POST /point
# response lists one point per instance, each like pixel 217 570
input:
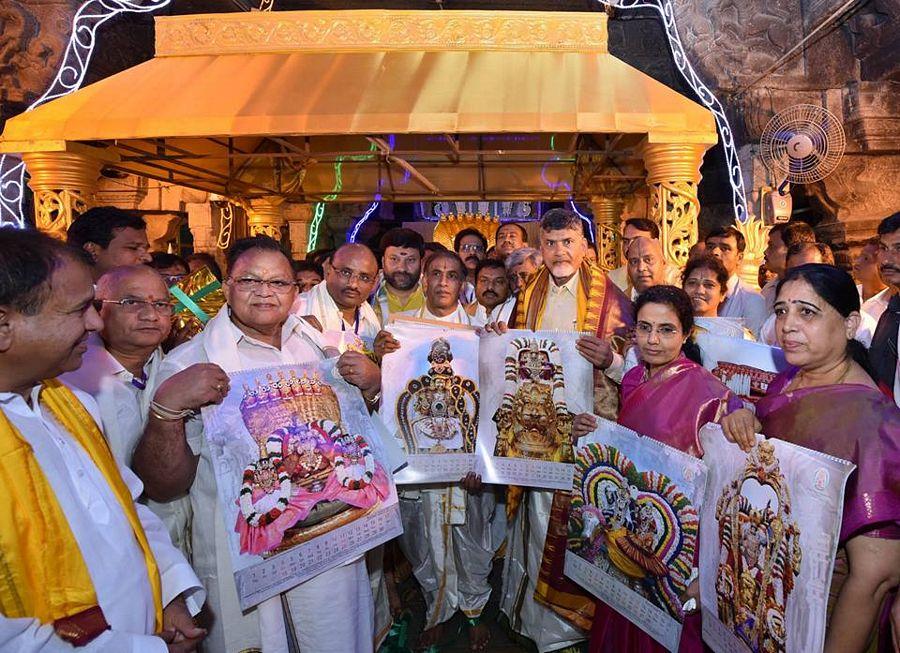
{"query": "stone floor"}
pixel 456 639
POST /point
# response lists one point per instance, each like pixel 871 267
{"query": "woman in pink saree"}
pixel 828 402
pixel 668 397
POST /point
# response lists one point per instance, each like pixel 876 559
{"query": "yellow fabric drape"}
pixel 42 572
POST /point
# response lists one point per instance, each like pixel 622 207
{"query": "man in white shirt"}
pixel 781 237
pixel 509 237
pixel 331 612
pixel 452 571
pixel 873 292
pixel 493 301
pixel 521 266
pixel 120 366
pixel 340 303
pixel 471 246
pixel 97 569
pixel 728 244
pixel 646 265
pixel 111 237
pixel 883 352
pixel 631 229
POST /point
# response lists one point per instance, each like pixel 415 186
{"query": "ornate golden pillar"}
pixel 64 185
pixel 607 210
pixel 673 174
pixel 265 216
pixel 299 218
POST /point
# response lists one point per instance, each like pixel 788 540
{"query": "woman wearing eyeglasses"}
pixel 669 396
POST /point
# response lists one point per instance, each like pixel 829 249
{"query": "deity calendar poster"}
pixel 430 399
pixel 634 526
pixel 746 367
pixel 532 384
pixel 768 535
pixel 303 482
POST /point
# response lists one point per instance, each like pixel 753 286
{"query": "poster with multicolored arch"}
pixel 634 526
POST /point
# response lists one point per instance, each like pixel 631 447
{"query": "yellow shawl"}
pixel 42 572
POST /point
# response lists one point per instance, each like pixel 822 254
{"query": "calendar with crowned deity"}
pixel 302 476
pixel 533 383
pixel 769 531
pixel 430 398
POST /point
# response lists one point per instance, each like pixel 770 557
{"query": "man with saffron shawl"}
pixel 566 294
pixel 83 563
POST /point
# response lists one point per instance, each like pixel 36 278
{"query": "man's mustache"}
pixel 490 293
pixel 886 267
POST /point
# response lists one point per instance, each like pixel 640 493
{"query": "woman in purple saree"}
pixel 668 397
pixel 829 403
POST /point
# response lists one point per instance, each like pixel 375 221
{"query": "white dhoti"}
pixel 447 540
pixel 525 548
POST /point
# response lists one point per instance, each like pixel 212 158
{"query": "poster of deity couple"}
pixel 303 474
pixel 761 526
pixel 499 405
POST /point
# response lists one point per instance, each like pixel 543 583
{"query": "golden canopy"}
pixel 346 104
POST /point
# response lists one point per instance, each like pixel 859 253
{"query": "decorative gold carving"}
pixel 607 204
pixel 264 217
pixel 450 225
pixel 673 173
pixel 376 30
pixel 64 185
pixel 756 233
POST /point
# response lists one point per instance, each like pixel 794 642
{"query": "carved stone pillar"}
pixel 673 173
pixel 299 218
pixel 201 224
pixel 64 185
pixel 607 210
pixel 265 217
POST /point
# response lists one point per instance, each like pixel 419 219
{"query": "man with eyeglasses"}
pixel 84 564
pixel 340 303
pixel 122 361
pixel 111 237
pixel 331 612
pixel 471 246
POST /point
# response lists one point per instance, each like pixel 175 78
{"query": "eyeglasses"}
pixel 130 305
pixel 665 331
pixel 471 248
pixel 249 284
pixel 349 275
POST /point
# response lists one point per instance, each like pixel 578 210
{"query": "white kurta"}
pixel 331 612
pixel 528 530
pixel 113 557
pixel 500 312
pixel 316 301
pixel 449 535
pixel 742 301
pixel 124 410
pixel 319 303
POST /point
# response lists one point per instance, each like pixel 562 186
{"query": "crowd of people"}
pixel 112 538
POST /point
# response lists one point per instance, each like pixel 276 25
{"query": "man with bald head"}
pixel 646 265
pixel 121 363
pixel 340 303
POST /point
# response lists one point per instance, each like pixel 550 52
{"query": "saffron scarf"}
pixel 604 311
pixel 42 572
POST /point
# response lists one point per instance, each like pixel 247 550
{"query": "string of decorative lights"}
pixel 666 12
pixel 362 221
pixel 75 60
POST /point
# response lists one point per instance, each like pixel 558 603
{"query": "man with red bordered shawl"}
pixel 567 293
